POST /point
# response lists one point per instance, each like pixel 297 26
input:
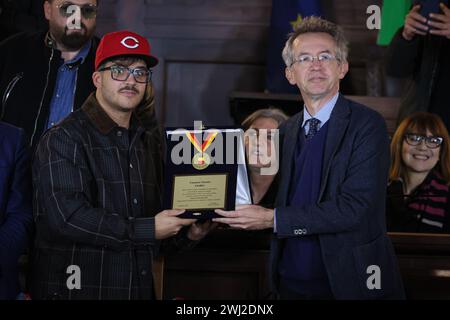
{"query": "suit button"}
pixel 119 133
pixel 143 272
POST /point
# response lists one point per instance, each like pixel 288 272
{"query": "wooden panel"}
pixel 231 264
pixel 424 261
pixel 158 276
pixel 206 48
pixel 352 16
pixel 191 36
pixel 217 274
pixel 228 264
pixel 199 91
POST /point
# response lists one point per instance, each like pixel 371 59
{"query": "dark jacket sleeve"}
pixel 64 182
pixel 3 56
pixel 363 186
pixel 403 56
pixel 16 228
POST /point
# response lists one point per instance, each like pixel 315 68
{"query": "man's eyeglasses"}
pixel 431 142
pixel 121 73
pixel 67 9
pixel 306 60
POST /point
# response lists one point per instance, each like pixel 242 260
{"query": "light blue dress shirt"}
pixel 64 93
pixel 323 115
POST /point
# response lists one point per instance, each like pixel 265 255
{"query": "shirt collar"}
pixel 100 118
pixel 81 56
pixel 324 114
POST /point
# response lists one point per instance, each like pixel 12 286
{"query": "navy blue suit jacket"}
pixel 349 217
pixel 15 206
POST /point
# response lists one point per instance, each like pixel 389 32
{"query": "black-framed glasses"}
pixel 306 60
pixel 121 73
pixel 432 142
pixel 67 9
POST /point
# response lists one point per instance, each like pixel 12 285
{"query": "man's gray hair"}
pixel 316 24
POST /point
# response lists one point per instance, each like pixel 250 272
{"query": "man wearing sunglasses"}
pixel 46 75
pixel 97 177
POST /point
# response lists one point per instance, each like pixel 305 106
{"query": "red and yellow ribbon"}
pixel 201 148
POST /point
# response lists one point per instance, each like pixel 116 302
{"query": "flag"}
pixel 393 13
pixel 285 15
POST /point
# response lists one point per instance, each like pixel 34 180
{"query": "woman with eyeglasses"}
pixel 418 191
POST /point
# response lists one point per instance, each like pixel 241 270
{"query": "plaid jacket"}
pixel 97 189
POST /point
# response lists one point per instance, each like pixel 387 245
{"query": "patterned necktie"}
pixel 313 127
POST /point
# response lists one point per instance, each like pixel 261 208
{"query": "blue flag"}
pixel 285 15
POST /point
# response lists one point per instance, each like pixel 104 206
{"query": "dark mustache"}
pixel 130 88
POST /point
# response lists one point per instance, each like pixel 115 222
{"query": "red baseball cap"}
pixel 124 43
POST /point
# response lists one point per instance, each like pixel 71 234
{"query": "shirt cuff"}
pixel 143 230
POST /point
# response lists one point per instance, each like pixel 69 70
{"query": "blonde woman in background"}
pixel 262 186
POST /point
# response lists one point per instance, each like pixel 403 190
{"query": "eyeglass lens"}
pixel 67 9
pixel 122 73
pixel 416 139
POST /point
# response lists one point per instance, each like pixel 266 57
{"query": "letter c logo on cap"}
pixel 130 39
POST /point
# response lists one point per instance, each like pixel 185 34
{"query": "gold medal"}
pixel 201 161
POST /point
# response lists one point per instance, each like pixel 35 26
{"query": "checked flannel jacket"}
pixel 97 190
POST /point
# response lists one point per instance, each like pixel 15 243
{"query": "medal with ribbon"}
pixel 201 160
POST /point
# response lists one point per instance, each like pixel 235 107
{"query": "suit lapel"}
pixel 289 147
pixel 337 127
